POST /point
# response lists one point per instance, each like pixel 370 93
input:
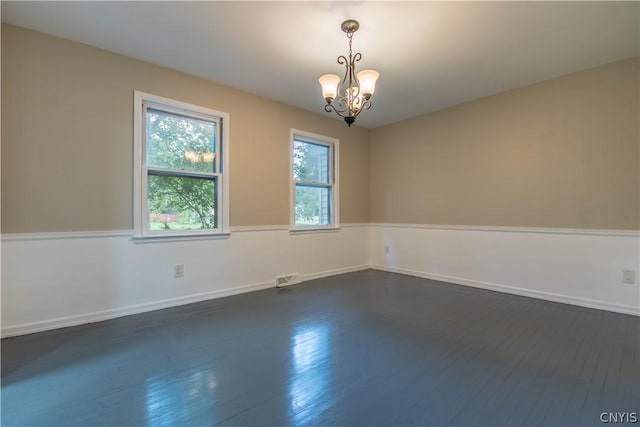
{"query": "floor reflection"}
pixel 174 402
pixel 309 388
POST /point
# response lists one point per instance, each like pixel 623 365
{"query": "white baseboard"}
pixel 63 322
pixel 97 316
pixel 565 299
pixel 321 274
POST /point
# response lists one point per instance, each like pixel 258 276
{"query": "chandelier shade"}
pixel 367 79
pixel 329 83
pixel 351 95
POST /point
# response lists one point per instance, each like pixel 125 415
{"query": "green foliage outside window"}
pixel 311 164
pixel 180 144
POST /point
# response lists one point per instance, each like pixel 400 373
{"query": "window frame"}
pixel 334 184
pixel 142 101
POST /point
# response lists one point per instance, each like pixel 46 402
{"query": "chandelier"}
pixel 352 95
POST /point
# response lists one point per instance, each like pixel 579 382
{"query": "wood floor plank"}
pixel 560 387
pixel 481 409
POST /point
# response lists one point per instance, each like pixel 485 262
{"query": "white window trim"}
pixel 335 171
pixel 140 174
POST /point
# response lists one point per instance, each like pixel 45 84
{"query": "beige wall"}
pixel 561 153
pixel 67 139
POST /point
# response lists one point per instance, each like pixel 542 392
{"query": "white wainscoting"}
pixel 54 280
pixel 581 267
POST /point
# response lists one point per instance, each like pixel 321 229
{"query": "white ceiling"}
pixel 430 55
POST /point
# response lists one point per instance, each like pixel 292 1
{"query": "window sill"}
pixel 180 237
pixel 311 230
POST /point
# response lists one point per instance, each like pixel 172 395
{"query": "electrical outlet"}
pixel 178 270
pixel 629 276
pixel 386 249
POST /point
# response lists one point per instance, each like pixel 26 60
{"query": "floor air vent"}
pixel 288 279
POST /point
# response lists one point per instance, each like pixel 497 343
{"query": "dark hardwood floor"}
pixel 359 349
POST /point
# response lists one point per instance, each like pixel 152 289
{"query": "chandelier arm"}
pixel 342 60
pixel 350 92
pixel 330 107
pixel 345 112
pixel 365 105
pixel 341 111
pixel 342 105
pixel 356 58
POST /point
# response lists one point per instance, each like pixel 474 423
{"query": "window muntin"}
pixel 314 181
pixel 180 155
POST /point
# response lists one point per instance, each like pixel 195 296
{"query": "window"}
pixel 314 186
pixel 181 185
